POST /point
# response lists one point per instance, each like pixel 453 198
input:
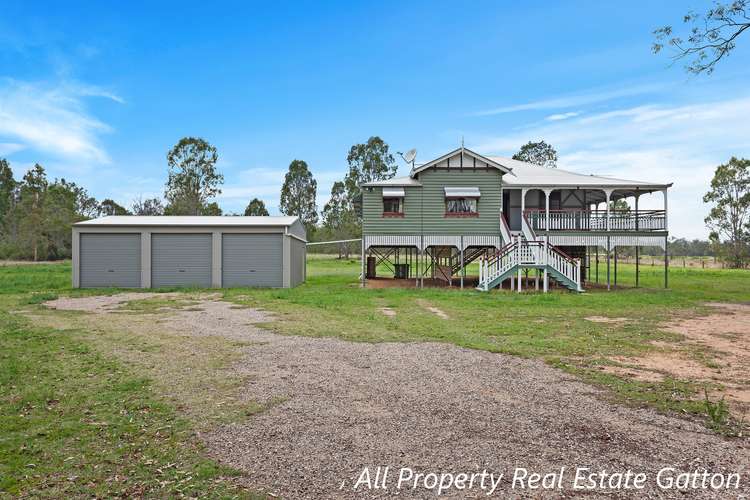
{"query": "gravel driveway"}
pixel 439 408
pixel 336 407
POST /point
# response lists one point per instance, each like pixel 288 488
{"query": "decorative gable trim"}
pixel 468 159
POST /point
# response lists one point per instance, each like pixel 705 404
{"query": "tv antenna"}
pixel 409 156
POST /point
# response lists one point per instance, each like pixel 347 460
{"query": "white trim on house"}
pixel 393 192
pixel 422 242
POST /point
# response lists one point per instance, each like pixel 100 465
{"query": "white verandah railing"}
pixel 596 220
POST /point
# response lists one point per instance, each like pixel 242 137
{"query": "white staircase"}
pixel 525 254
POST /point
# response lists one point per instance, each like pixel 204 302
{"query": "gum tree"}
pixel 729 218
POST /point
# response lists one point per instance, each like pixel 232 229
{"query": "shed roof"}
pixel 180 220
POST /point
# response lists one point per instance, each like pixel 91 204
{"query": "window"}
pixel 392 207
pixel 461 207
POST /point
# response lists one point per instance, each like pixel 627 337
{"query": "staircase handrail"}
pixel 528 231
pixel 505 230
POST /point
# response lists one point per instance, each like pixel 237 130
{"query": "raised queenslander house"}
pixel 517 220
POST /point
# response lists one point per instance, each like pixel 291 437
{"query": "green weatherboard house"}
pixel 515 219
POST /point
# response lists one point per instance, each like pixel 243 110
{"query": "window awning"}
pixel 462 192
pixel 393 192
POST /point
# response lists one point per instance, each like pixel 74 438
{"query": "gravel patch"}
pixel 435 408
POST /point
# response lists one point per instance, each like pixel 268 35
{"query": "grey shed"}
pixel 167 251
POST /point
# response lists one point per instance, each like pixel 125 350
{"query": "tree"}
pixel 256 207
pixel 8 198
pixel 7 189
pixel 211 209
pixel 729 217
pixel 193 178
pixel 298 194
pixel 149 206
pixel 620 205
pixel 712 36
pixel 539 153
pixel 368 162
pixel 339 219
pixel 31 210
pixel 110 207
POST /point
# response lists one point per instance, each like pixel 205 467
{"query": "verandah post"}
pixel 463 270
pixel 597 262
pixel 609 250
pixel 518 253
pixel 615 252
pixel 546 261
pixel 363 261
pixel 637 264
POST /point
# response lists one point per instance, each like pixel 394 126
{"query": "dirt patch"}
pixel 434 310
pixel 387 311
pixel 715 351
pixel 102 303
pixel 604 319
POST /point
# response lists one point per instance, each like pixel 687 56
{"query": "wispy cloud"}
pixel 53 119
pixel 680 144
pixel 575 100
pixel 8 148
pixel 562 116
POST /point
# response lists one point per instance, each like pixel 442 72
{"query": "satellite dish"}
pixel 410 156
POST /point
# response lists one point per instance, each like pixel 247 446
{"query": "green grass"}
pixel 76 423
pixel 529 324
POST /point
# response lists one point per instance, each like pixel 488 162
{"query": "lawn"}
pixel 77 420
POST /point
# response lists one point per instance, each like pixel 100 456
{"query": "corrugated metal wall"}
pixel 110 260
pixel 252 260
pixel 181 260
pixel 298 263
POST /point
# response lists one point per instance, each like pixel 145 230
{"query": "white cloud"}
pixel 575 100
pixel 8 148
pixel 52 119
pixel 680 144
pixel 562 116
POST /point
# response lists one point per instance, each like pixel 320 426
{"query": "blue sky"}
pixel 99 92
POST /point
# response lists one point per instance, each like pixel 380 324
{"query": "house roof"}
pixel 529 175
pixel 179 220
pixel 523 174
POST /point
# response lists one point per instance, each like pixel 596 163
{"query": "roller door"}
pixel 253 260
pixel 110 260
pixel 181 260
